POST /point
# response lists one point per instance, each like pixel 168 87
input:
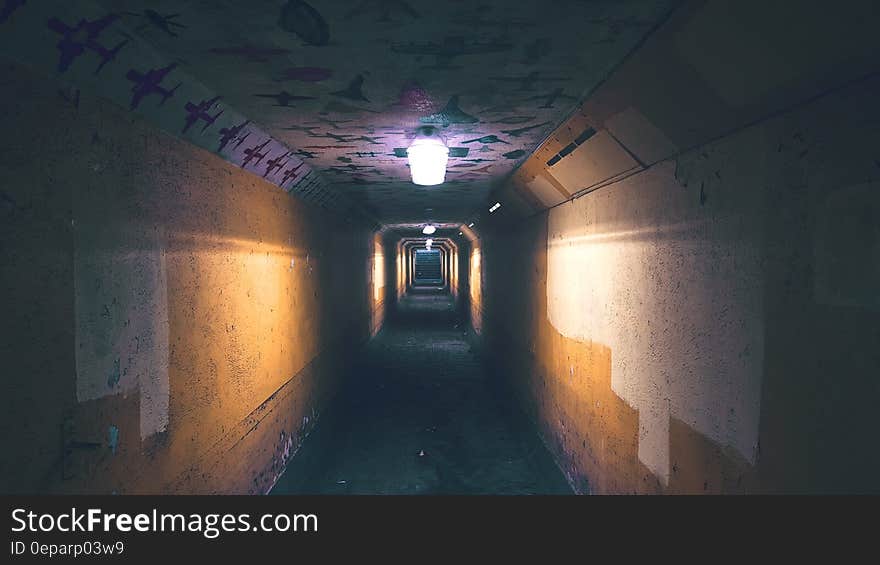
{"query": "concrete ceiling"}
pixel 346 82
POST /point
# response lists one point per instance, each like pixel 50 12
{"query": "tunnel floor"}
pixel 419 415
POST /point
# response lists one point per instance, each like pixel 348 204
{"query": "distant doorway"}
pixel 429 270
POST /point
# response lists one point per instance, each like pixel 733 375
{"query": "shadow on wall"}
pixel 184 317
pixel 706 325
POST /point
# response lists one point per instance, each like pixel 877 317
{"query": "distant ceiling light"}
pixel 470 225
pixel 495 207
pixel 429 229
pixel 429 243
pixel 428 156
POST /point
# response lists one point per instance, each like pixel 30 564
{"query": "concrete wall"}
pixel 452 259
pixel 377 276
pixel 712 323
pixel 472 260
pixel 173 323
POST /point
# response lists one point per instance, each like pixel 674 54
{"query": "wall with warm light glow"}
pixel 708 324
pixel 453 270
pixel 377 281
pixel 401 265
pixel 189 319
pixel 474 273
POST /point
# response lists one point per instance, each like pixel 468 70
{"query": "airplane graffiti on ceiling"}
pixel 164 22
pixel 83 37
pixel 150 83
pixel 196 112
pixel 10 6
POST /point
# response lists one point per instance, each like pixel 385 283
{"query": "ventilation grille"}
pixel 584 136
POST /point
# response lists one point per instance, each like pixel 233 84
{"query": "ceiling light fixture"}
pixel 429 243
pixel 428 156
pixel 495 207
pixel 429 229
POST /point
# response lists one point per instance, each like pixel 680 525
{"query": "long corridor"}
pixel 291 246
pixel 421 416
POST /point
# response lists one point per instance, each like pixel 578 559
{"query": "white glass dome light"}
pixel 429 229
pixel 428 156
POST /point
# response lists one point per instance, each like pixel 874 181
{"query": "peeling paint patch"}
pixel 121 323
pixel 113 438
pixel 113 378
pixel 693 287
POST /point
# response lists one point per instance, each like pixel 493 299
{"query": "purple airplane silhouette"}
pixel 150 83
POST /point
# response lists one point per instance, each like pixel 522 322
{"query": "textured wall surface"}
pixel 458 281
pixel 707 325
pixel 378 275
pixel 475 282
pixel 175 323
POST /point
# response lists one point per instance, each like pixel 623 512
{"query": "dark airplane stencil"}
pixel 162 22
pixel 451 114
pixel 367 139
pixel 252 153
pixel 332 123
pixel 196 112
pixel 354 90
pixel 284 98
pixel 8 7
pixel 514 120
pixel 150 83
pixel 84 36
pixel 518 132
pixel 333 136
pixel 276 163
pixel 307 23
pixel 331 147
pixel 241 139
pixel 487 139
pixel 228 134
pixel 551 98
pixel 291 173
pixel 309 130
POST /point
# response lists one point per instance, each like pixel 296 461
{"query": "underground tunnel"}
pixel 412 247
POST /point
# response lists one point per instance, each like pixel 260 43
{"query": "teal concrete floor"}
pixel 419 415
